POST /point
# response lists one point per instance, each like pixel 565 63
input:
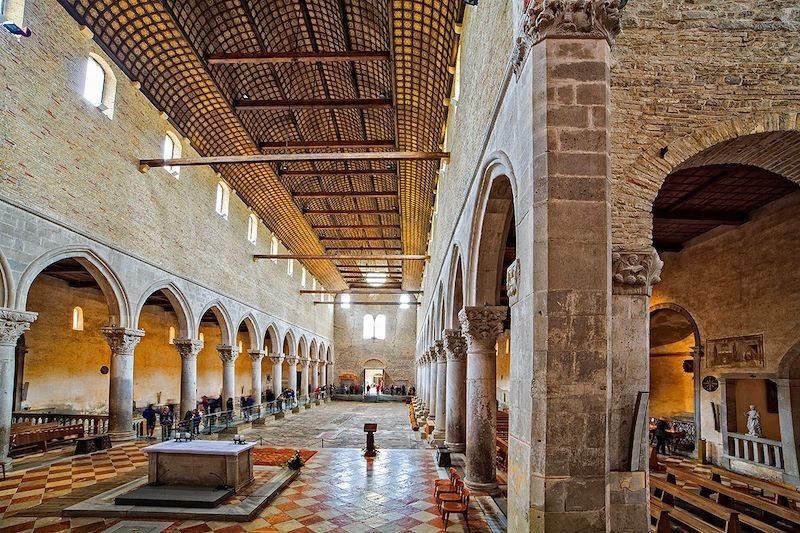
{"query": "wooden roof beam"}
pixel 328 145
pixel 362 249
pixel 323 194
pixel 717 217
pixel 343 173
pixel 351 212
pixel 146 164
pixel 319 103
pixel 356 226
pixel 347 257
pixel 297 57
pixel 334 238
pixel 360 291
pixel 367 303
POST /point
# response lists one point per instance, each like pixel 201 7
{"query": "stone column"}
pixel 12 325
pixel 633 273
pixel 228 355
pixel 788 407
pixel 314 374
pixel 305 362
pixel 188 350
pixel 432 375
pixel 441 394
pixel 292 361
pixel 567 258
pixel 277 372
pixel 122 341
pixel 256 357
pixel 456 402
pixel 480 327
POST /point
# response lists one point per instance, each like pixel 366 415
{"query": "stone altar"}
pixel 201 463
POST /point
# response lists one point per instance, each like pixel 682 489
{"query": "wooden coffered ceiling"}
pixel 250 77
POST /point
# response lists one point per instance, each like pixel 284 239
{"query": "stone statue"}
pixel 753 422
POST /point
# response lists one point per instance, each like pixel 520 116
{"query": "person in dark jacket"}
pixel 166 419
pixel 149 415
pixel 661 436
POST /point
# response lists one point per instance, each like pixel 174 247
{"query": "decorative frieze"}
pixel 581 19
pixel 455 345
pixel 481 325
pixel 188 348
pixel 13 324
pixel 122 341
pixel 635 272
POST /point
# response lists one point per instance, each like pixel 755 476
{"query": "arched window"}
pixel 345 301
pixel 303 277
pixel 273 247
pixel 241 346
pixel 404 301
pixel 77 319
pixel 172 150
pixel 380 327
pixel 368 331
pixel 202 338
pixel 100 85
pixel 252 228
pixel 313 284
pixel 223 198
pixel 171 335
pixel 290 267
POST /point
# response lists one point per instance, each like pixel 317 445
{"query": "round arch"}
pixel 271 338
pixel 789 367
pixel 455 289
pixel 320 354
pixel 312 348
pixel 302 346
pixel 684 313
pixel 252 331
pixel 329 354
pixel 223 318
pixel 178 301
pixel 110 284
pixel 289 341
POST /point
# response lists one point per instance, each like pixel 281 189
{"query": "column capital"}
pixel 455 345
pixel 305 360
pixel 441 353
pixel 482 325
pixel 635 271
pixel 276 358
pixel 256 355
pixel 122 340
pixel 13 324
pixel 292 360
pixel 576 19
pixel 228 354
pixel 188 348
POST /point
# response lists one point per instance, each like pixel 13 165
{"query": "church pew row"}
pixel 662 507
pixel 781 494
pixel 726 495
pixel 38 435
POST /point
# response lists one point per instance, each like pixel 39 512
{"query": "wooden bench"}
pixel 781 494
pixel 501 451
pixel 726 495
pixel 43 433
pixel 664 501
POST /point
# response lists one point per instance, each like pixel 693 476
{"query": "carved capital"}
pixel 441 353
pixel 228 354
pixel 276 358
pixel 122 340
pixel 256 355
pixel 635 272
pixel 432 354
pixel 13 324
pixel 292 360
pixel 305 361
pixel 580 19
pixel 482 325
pixel 455 345
pixel 188 348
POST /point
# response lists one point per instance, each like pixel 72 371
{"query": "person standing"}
pixel 166 419
pixel 149 415
pixel 661 436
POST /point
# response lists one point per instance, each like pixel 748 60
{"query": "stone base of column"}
pixel 7 462
pixel 122 436
pixel 280 416
pixel 628 498
pixel 437 439
pixel 316 402
pixel 296 410
pixel 260 421
pixel 307 405
pixel 456 447
pixel 491 489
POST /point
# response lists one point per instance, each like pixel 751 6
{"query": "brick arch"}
pixel 732 141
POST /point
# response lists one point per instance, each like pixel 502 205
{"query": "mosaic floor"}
pixel 338 490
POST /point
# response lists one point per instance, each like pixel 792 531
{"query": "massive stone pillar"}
pixel 565 256
pixel 188 350
pixel 277 372
pixel 256 357
pixel 441 394
pixel 305 363
pixel 432 384
pixel 12 325
pixel 228 355
pixel 120 391
pixel 456 403
pixel 292 361
pixel 480 327
pixel 633 274
pixel 423 387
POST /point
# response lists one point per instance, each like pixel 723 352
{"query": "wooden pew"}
pixel 781 494
pixel 664 501
pixel 502 425
pixel 726 495
pixel 42 433
pixel 501 451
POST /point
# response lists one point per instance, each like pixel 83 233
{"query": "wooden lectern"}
pixel 370 430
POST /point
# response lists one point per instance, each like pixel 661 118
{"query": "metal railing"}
pixel 756 450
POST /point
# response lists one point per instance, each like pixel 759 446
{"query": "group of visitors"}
pixel 394 390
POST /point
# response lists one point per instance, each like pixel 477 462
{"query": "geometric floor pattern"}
pixel 338 490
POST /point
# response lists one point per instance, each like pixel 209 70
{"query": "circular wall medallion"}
pixel 710 383
pixel 104 370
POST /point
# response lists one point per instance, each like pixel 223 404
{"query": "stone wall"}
pixel 395 353
pixel 63 159
pixel 739 281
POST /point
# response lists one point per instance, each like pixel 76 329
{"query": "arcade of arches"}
pixel 556 238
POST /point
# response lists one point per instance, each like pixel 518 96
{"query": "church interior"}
pixel 400 265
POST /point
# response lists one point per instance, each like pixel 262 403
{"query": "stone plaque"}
pixel 746 351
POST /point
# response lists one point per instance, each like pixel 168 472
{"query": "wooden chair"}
pixel 460 507
pixel 449 480
pixel 445 489
pixel 450 497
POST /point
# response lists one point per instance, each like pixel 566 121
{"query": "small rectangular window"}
pixel 290 268
pixel 94 85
